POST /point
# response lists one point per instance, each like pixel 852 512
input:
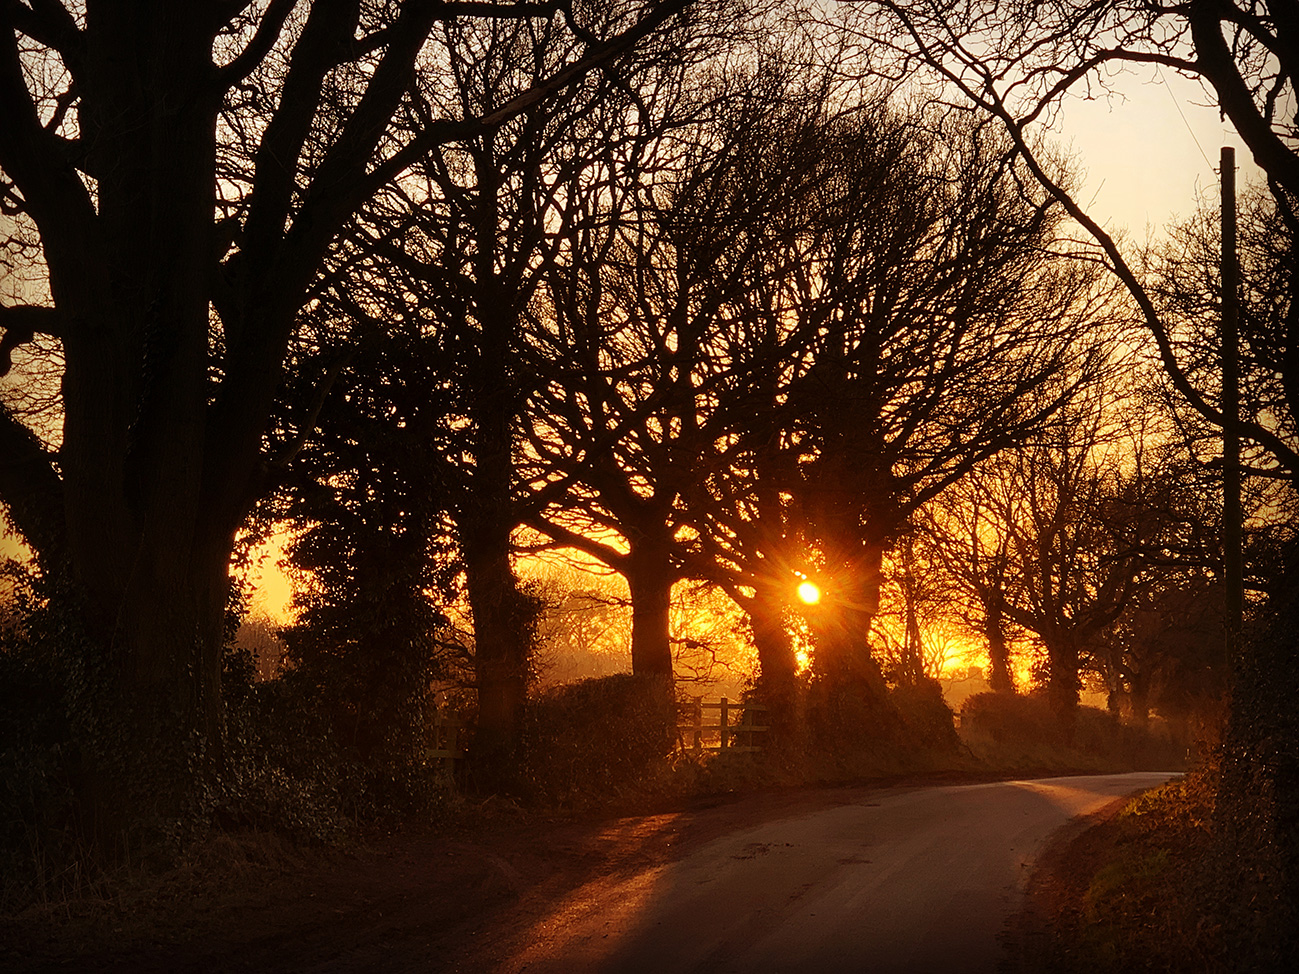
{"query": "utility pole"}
pixel 1233 570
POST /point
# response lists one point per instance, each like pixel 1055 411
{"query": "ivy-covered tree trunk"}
pixel 844 618
pixel 1062 681
pixel 503 622
pixel 149 530
pixel 850 706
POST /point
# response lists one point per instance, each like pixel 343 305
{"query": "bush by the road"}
pixel 589 741
pixel 1020 732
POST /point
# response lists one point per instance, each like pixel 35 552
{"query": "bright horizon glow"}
pixel 809 593
pixel 272 587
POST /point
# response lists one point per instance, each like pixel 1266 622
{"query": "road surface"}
pixel 904 880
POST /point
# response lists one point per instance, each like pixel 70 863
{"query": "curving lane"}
pixel 903 880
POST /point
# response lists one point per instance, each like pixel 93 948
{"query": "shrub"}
pixel 846 715
pixel 929 722
pixel 1009 718
pixel 1023 733
pixel 593 739
pixel 1258 804
pixel 283 771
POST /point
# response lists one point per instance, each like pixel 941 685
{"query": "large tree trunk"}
pixel 650 577
pixel 503 619
pixel 851 708
pixel 156 743
pixel 1062 683
pixel 844 618
pixel 503 616
pixel 148 542
pixel 999 677
pixel 777 665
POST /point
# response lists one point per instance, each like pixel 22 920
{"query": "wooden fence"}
pixel 734 730
pixel 732 726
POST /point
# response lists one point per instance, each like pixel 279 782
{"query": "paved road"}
pixel 905 880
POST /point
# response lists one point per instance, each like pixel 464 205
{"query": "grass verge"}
pixel 1152 885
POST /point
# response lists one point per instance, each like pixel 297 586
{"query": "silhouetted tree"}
pixel 1091 524
pixel 372 552
pixel 454 257
pixel 640 373
pixel 174 295
pixel 1163 652
pixel 1184 279
pixel 960 532
pixel 934 319
pixel 1016 63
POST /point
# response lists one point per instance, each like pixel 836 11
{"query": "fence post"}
pixel 698 715
pixel 723 728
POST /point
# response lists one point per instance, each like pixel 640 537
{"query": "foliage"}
pixel 1162 888
pixel 857 728
pixel 848 715
pixel 1258 805
pixel 365 646
pixel 929 722
pixel 1005 717
pixel 284 770
pixel 36 746
pixel 589 741
pixel 65 724
pixel 314 760
pixel 1021 732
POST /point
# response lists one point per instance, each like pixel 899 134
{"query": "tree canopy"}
pixel 186 171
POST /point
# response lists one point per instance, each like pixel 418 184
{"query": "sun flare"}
pixel 809 593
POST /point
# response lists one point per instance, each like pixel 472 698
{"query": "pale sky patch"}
pixel 1149 150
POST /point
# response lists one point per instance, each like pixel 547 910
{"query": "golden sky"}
pixel 1149 149
pixel 11 548
pixel 1147 152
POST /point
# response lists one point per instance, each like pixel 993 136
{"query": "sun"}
pixel 809 593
